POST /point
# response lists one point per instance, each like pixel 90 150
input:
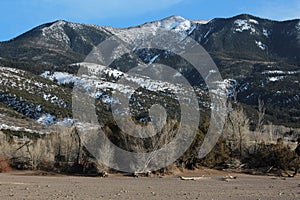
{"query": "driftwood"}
pixel 227 178
pixel 195 178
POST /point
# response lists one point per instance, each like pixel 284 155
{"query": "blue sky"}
pixel 18 16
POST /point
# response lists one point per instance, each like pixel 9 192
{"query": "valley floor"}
pixel 21 185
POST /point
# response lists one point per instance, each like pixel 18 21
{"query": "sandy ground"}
pixel 20 185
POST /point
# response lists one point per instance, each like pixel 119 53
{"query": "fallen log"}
pixel 195 178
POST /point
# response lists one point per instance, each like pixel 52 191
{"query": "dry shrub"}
pixel 219 155
pixel 215 158
pixel 278 156
pixel 5 150
pixel 145 145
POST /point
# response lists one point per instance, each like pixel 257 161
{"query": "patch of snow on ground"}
pixel 260 45
pixel 46 119
pixel 229 85
pixel 207 33
pixel 274 72
pixel 100 69
pixel 97 87
pixel 107 99
pixel 65 122
pixel 153 59
pixel 281 72
pixel 115 73
pixel 192 29
pixel 61 77
pixel 98 95
pixel 12 70
pixel 266 33
pixel 177 74
pixel 275 78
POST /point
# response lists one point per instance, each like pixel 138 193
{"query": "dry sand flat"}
pixel 213 186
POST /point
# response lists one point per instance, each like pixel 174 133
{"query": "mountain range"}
pixel 257 58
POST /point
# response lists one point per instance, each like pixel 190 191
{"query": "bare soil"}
pixel 213 185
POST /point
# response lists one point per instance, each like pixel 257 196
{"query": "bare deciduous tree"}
pixel 237 128
pixel 40 152
pixel 260 130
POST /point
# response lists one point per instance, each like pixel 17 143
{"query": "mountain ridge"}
pixel 171 16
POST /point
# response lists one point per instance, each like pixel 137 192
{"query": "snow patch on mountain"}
pixel 200 21
pixel 12 70
pixel 266 33
pixel 97 84
pixel 260 45
pixel 253 21
pixel 280 72
pixel 228 85
pixel 275 78
pixel 46 119
pixel 60 77
pixel 54 100
pixel 149 34
pixel 14 79
pixel 208 32
pixel 76 26
pixel 142 33
pixel 298 26
pixel 65 122
pixel 153 59
pixel 245 25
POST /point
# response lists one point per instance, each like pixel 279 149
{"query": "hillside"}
pixel 258 58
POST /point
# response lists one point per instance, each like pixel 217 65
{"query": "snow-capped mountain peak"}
pixel 55 31
pixel 176 23
pixel 172 23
